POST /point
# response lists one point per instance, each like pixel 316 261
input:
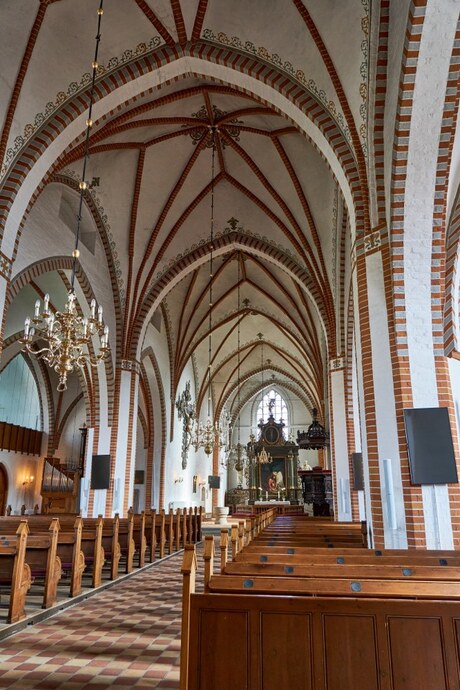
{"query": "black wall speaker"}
pixel 358 474
pixel 100 472
pixel 214 481
pixel 430 447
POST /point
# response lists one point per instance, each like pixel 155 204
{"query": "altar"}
pixel 273 471
pixel 271 503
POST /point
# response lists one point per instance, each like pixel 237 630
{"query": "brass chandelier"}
pixel 68 333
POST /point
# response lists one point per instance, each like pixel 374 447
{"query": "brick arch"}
pixel 150 422
pixel 58 264
pixel 150 355
pixel 223 243
pixel 451 293
pixel 225 62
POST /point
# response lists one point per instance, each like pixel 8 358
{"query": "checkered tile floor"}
pixel 124 637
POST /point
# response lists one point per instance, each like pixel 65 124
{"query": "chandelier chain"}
pixel 89 123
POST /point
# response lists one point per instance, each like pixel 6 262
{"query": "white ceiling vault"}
pixel 282 86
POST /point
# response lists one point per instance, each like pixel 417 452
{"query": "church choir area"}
pixel 229 344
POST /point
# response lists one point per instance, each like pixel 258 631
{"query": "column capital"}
pixel 130 365
pixel 337 364
pixel 6 266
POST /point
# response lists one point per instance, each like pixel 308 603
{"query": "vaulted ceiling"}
pixel 281 219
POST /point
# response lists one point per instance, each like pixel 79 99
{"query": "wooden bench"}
pixel 126 539
pixel 338 618
pixel 317 643
pixel 15 574
pixel 70 546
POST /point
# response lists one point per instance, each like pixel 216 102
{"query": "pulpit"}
pixel 317 490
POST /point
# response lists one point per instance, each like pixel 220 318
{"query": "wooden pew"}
pixel 41 555
pixel 317 643
pixel 327 609
pixel 15 574
pixel 140 541
pixel 150 535
pixel 126 539
pixel 90 544
pixel 111 550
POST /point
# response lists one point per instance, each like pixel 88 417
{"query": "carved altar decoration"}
pixel 317 490
pixel 272 471
pixel 187 413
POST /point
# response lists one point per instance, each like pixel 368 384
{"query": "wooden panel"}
pixel 286 651
pixel 38 442
pixel 26 439
pixel 6 436
pixel 224 636
pixel 2 432
pixel 20 440
pixel 350 652
pixel 12 445
pixel 416 653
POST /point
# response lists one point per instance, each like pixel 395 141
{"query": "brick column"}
pixel 384 496
pixel 123 439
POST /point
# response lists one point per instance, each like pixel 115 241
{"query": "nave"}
pixel 127 636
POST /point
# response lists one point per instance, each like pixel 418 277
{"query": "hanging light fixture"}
pixel 209 435
pixel 316 437
pixel 68 334
pixel 237 455
pixel 263 458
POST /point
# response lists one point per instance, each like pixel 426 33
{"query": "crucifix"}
pixel 186 412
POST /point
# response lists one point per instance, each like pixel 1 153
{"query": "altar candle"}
pixel 266 495
pixel 278 495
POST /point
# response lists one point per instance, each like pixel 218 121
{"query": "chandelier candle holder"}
pixel 68 334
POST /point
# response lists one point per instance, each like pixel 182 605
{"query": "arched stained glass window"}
pixel 19 397
pixel 273 403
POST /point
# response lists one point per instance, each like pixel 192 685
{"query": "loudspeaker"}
pixel 430 446
pixel 358 474
pixel 214 481
pixel 100 472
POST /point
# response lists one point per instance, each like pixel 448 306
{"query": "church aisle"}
pixel 127 636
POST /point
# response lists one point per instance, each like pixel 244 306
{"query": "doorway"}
pixel 3 489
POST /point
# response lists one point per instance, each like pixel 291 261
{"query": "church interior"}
pixel 230 300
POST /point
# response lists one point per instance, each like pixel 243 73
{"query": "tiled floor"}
pixel 124 637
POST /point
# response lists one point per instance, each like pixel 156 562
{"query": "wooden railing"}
pixel 20 439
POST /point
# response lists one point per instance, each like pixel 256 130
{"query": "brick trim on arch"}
pixel 223 240
pixel 148 353
pixel 229 57
pixel 442 267
pixel 149 461
pixel 451 295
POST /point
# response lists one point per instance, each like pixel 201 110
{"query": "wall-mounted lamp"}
pixel 28 480
pixel 179 480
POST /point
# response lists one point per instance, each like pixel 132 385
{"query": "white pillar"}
pixel 341 465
